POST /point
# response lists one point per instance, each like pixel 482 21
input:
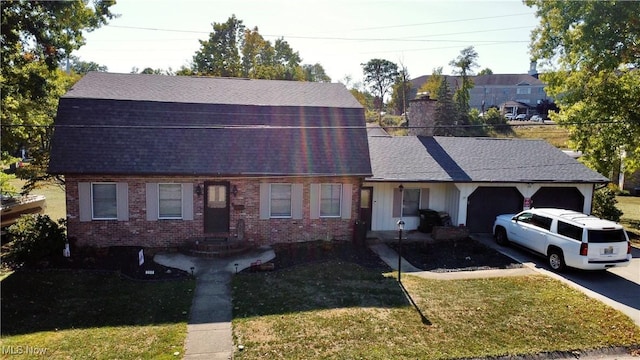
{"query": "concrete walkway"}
pixel 209 332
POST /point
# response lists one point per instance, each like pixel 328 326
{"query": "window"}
pixel 104 201
pixel 280 200
pixel 523 91
pixel 330 196
pixel 541 221
pixel 570 231
pixel 170 201
pixel 411 202
pixel 606 236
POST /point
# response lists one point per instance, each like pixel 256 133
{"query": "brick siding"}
pixel 139 231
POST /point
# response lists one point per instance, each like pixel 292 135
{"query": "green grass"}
pixel 342 311
pixel 80 315
pixel 555 135
pixel 630 206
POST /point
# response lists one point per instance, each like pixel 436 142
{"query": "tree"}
pixel 220 55
pixel 36 36
pixel 433 83
pixel 315 73
pixel 380 75
pixel 446 112
pixel 401 89
pixel 592 50
pixel 82 67
pixel 234 51
pixel 287 61
pixel 486 71
pixel 257 56
pixel 463 66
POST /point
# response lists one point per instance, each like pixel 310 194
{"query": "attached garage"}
pixel 558 197
pixel 485 203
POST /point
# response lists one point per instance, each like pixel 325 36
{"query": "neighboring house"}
pixel 501 91
pixel 472 179
pixel 158 161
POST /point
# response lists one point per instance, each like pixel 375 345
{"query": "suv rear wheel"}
pixel 556 260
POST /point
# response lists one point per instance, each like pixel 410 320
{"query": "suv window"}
pixel 541 221
pixel 570 231
pixel 524 217
pixel 606 236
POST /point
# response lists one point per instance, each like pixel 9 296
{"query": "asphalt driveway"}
pixel 618 287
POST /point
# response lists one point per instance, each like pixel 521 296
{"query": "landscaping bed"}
pixel 119 259
pixel 459 255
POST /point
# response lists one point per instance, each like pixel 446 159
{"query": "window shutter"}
pixel 296 201
pixel 346 200
pixel 397 203
pixel 122 201
pixel 265 202
pixel 85 213
pixel 314 201
pixel 152 201
pixel 424 198
pixel 187 201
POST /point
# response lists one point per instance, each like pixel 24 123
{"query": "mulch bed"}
pixel 459 255
pixel 292 254
pixel 121 259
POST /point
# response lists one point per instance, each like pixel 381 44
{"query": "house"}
pixel 159 161
pixel 502 91
pixel 472 179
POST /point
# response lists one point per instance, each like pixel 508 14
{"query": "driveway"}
pixel 618 287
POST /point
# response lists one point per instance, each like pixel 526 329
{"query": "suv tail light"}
pixel 628 247
pixel 584 249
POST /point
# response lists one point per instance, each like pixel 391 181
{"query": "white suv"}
pixel 566 238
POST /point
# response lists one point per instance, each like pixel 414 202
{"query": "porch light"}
pixel 198 190
pixel 234 190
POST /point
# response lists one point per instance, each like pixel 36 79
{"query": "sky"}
pixel 340 35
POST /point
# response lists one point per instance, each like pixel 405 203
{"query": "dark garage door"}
pixel 486 202
pixel 558 197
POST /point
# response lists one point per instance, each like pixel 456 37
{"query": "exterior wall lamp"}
pixel 234 190
pixel 199 190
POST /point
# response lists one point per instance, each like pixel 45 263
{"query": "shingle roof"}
pixel 462 159
pixel 211 90
pixel 484 80
pixel 152 137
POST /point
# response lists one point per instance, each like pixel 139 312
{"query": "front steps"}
pixel 215 247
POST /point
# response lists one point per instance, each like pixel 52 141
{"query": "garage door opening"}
pixel 485 203
pixel 568 198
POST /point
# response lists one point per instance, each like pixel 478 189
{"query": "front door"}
pixel 366 205
pixel 216 207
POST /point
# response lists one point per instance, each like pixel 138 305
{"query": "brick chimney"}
pixel 421 119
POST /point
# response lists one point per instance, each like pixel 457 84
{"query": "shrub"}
pixel 33 238
pixel 604 204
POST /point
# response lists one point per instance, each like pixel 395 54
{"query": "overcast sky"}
pixel 340 35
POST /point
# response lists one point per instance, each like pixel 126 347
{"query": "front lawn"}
pixel 91 315
pixel 630 206
pixel 340 310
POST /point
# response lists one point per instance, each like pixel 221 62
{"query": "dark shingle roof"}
pixel 100 135
pixel 211 90
pixel 461 159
